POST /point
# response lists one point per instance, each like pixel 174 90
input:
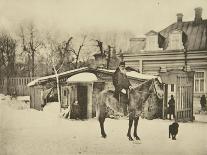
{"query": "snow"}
pixel 140 76
pixel 31 132
pixel 45 78
pixel 82 77
pixel 135 74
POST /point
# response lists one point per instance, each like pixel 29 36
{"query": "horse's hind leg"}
pixel 129 129
pixel 135 128
pixel 101 121
pixel 100 114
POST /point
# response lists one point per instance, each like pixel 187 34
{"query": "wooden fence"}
pixel 18 85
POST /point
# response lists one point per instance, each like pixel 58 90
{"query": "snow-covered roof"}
pixel 82 77
pixel 46 78
pixel 68 74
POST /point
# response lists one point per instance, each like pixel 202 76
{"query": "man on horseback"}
pixel 122 86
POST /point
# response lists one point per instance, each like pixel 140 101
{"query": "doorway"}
pixel 82 101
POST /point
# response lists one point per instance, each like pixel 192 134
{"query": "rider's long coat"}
pixel 120 81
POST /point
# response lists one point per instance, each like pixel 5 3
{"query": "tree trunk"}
pixel 33 64
pixel 58 86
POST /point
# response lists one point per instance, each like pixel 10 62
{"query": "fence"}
pixel 19 86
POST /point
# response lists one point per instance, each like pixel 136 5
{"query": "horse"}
pixel 137 97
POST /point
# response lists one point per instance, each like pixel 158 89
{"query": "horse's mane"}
pixel 143 85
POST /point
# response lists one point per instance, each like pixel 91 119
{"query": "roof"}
pixel 151 32
pixel 133 74
pixel 82 77
pixel 196 34
pixel 65 75
pixel 52 77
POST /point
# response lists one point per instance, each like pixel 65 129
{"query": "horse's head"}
pixel 146 87
pixel 140 93
pixel 158 88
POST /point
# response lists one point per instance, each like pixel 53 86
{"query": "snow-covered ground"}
pixel 31 132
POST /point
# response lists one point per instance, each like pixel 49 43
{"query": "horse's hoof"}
pixel 104 136
pixel 137 138
pixel 130 138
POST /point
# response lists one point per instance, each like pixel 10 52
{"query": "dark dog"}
pixel 173 130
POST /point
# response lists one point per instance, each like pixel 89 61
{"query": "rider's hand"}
pixel 130 87
pixel 123 91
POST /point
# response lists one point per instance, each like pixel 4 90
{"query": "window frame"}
pixel 199 82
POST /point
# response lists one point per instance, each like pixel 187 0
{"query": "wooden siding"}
pixel 152 61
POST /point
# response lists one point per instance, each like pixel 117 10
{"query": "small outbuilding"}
pixel 80 88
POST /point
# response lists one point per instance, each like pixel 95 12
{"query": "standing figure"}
pixel 122 86
pixel 75 114
pixel 171 104
pixel 203 103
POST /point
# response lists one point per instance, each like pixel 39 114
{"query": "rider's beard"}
pixel 123 71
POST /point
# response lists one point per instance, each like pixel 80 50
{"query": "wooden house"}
pixel 181 45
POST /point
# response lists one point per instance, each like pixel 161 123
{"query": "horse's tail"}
pixel 97 111
pixel 98 104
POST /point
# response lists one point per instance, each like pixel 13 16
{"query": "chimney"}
pixel 198 15
pixel 179 17
pixel 137 44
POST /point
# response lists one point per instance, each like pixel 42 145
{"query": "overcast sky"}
pixel 138 16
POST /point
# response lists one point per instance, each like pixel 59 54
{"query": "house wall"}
pixel 151 61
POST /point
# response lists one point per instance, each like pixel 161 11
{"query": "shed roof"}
pixel 65 75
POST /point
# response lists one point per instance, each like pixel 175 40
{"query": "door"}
pixel 82 101
pixel 184 98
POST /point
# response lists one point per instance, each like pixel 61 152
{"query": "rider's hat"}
pixel 122 63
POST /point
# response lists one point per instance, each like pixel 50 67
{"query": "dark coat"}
pixel 171 104
pixel 120 81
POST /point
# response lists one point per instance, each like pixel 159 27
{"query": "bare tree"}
pixel 57 53
pixel 78 51
pixel 7 56
pixel 30 43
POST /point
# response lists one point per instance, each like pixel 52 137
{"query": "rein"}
pixel 145 91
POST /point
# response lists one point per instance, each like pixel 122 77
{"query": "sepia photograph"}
pixel 103 77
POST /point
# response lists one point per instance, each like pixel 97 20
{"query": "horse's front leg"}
pixel 101 121
pixel 129 129
pixel 135 128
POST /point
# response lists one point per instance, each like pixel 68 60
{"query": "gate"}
pixel 184 98
pixel 184 82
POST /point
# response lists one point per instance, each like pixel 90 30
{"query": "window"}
pixel 172 88
pixel 199 82
pixel 65 92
